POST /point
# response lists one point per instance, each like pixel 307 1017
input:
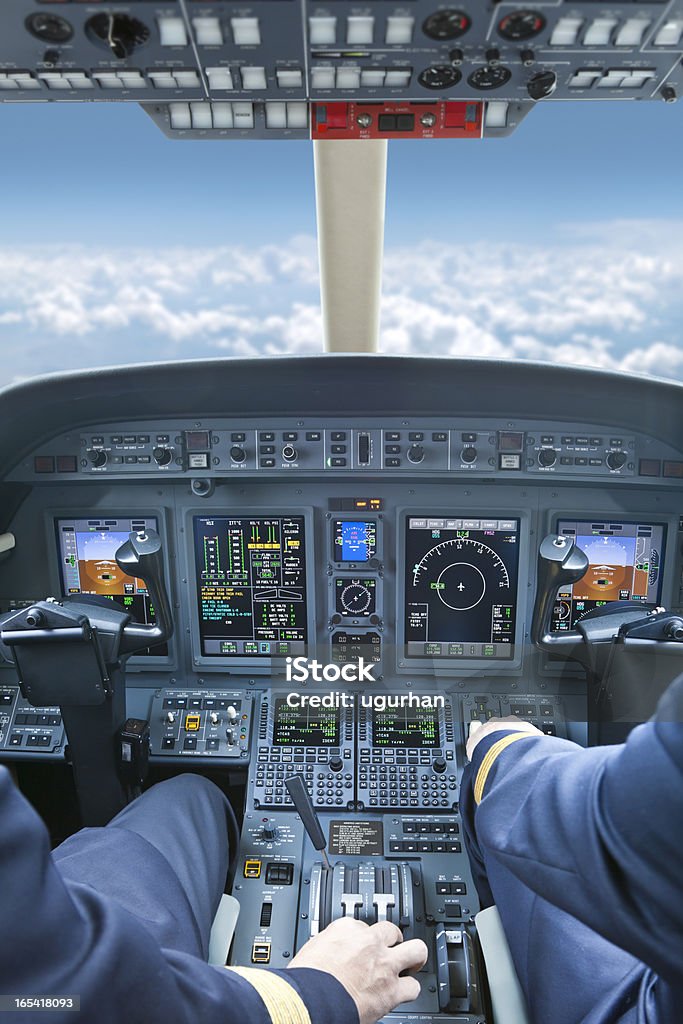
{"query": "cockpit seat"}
pixel 507 999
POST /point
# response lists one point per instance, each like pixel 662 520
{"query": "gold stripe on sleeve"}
pixel 491 755
pixel 281 1000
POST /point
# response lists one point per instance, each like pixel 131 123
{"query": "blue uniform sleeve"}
pixel 64 938
pixel 596 832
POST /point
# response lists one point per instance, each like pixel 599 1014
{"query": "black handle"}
pixel 560 563
pixel 141 556
pixel 296 787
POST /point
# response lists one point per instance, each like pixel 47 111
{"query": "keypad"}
pixel 327 787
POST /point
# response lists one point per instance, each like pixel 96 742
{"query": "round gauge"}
pixel 459 570
pixel 562 611
pixel 51 28
pixel 439 76
pixel 448 24
pixel 521 25
pixel 489 77
pixel 355 597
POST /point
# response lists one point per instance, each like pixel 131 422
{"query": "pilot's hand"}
pixel 367 960
pixel 479 731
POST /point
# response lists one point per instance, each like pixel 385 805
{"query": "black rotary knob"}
pixel 237 454
pixel 439 765
pixel 162 456
pixel 289 453
pixel 336 764
pixel 469 454
pixel 547 457
pixel 416 453
pixel 616 460
pixel 97 457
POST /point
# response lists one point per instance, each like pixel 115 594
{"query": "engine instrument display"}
pixel 87 549
pixel 354 540
pixel 251 585
pixel 409 727
pixel 305 727
pixel 626 564
pixel 460 587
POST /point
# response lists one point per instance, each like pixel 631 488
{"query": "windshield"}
pixel 561 243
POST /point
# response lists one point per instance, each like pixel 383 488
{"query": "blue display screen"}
pixel 354 540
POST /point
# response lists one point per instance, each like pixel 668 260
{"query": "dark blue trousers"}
pixel 164 859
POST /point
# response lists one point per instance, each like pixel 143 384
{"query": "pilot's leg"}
pixel 568 972
pixel 164 858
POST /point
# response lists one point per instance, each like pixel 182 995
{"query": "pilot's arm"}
pixel 596 832
pixel 63 937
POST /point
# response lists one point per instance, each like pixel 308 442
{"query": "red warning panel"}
pixel 453 120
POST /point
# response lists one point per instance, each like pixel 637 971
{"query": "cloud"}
pixel 606 295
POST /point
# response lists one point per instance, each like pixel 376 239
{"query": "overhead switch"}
pixel 289 78
pixel 670 33
pixel 246 31
pixel 399 30
pixel 359 30
pixel 599 32
pixel 632 31
pixel 219 78
pixel 566 32
pixel 253 78
pixel 322 31
pixel 172 31
pixel 207 31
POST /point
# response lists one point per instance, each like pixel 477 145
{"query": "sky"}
pixel 562 243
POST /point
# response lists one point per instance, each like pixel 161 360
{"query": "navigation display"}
pixel 460 587
pixel 305 727
pixel 410 727
pixel 251 585
pixel 87 549
pixel 626 564
pixel 354 540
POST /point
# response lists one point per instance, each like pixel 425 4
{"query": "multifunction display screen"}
pixel 409 727
pixel 354 540
pixel 87 550
pixel 626 561
pixel 251 585
pixel 305 727
pixel 460 587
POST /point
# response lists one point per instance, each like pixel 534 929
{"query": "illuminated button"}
pixel 243 115
pixel 179 114
pixel 54 80
pixel 172 31
pixel 297 115
pixel 207 31
pixel 322 31
pixel 163 80
pixel 253 78
pixel 566 32
pixel 496 114
pixel 371 78
pixel 670 33
pixel 289 78
pixel 348 78
pixel 246 31
pixel 187 79
pixel 632 31
pixel 584 79
pixel 276 115
pixel 221 114
pixel 359 30
pixel 219 79
pixel 599 32
pixel 399 30
pixel 201 118
pixel 322 78
pixel 637 78
pixel 398 78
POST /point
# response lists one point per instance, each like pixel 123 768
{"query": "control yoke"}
pixel 72 654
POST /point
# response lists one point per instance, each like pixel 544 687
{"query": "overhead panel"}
pixel 337 68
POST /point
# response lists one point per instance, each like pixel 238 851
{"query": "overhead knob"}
pixel 215 718
pixel 170 717
pixel 493 56
pixel 439 765
pixel 97 457
pixel 416 453
pixel 547 457
pixel 232 715
pixel 541 85
pixel 162 456
pixel 616 460
pixel 289 453
pixel 336 764
pixel 269 830
pixel 230 736
pixel 469 454
pixel 237 454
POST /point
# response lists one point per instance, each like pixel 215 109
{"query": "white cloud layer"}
pixel 609 295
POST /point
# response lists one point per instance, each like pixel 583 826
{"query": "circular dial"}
pixel 521 25
pixel 446 25
pixel 119 33
pixel 355 598
pixel 489 77
pixel 439 76
pixel 51 28
pixel 616 460
pixel 458 571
